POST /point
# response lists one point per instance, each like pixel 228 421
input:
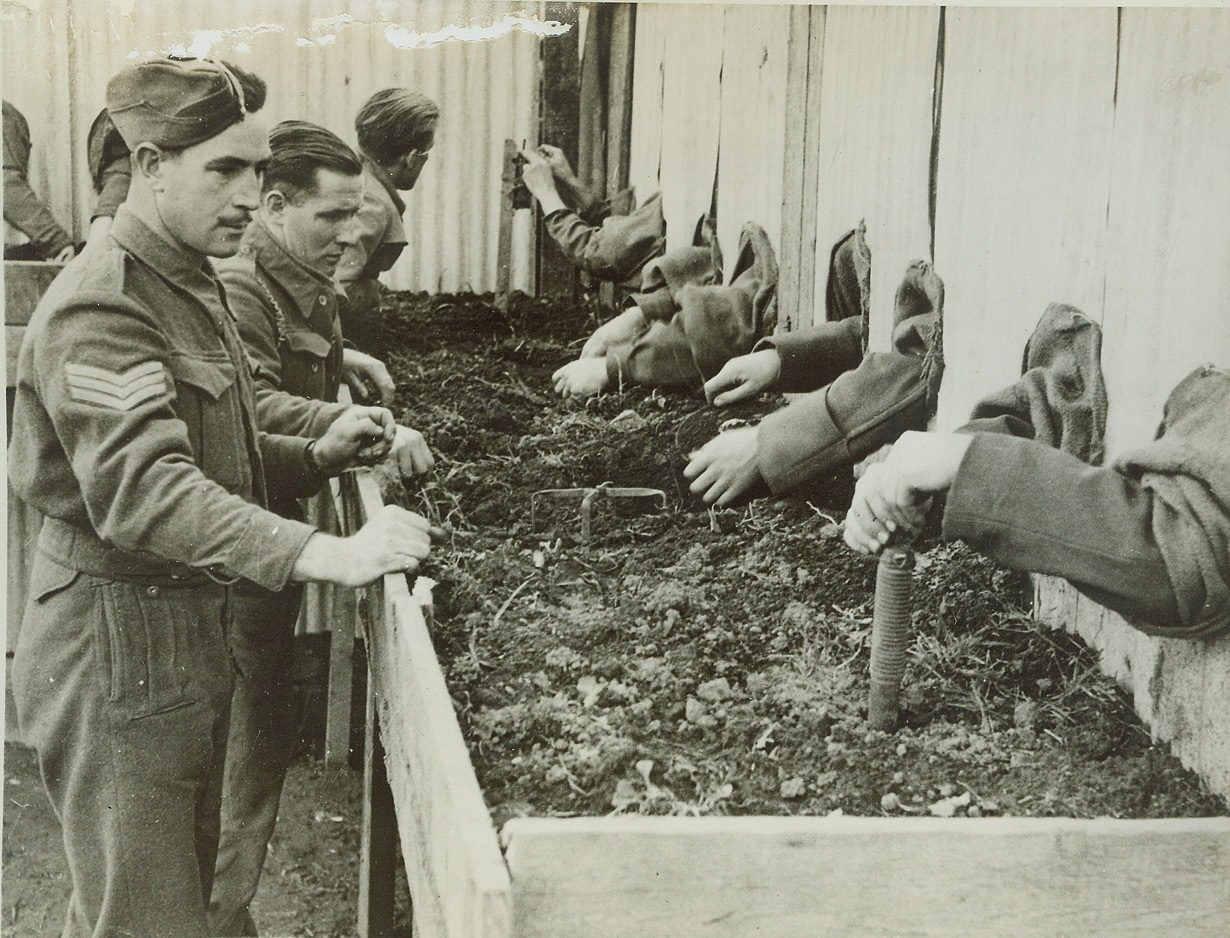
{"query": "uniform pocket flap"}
pixel 211 376
pixel 49 577
pixel 309 343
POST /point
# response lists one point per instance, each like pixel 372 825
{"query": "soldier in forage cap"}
pixel 396 129
pixel 135 436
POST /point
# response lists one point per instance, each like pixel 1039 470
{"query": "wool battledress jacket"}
pixel 859 400
pixel 1148 538
pixel 134 425
pixel 288 319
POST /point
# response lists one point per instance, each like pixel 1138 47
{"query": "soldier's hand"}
pixel 627 326
pixel 367 377
pixel 411 453
pixel 744 377
pixel 393 541
pixel 65 255
pixel 560 167
pixel 360 436
pixel 725 467
pixel 896 494
pixel 537 176
pixel 584 377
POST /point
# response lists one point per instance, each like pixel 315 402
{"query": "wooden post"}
pixel 508 181
pixel 344 613
pixel 378 850
pixel 619 97
pixel 796 285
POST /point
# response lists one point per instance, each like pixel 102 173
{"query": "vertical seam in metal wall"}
pixel 937 101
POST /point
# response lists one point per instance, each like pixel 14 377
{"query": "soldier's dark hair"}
pixel 395 121
pixel 254 88
pixel 298 150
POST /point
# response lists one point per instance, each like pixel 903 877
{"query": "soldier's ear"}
pixel 147 161
pixel 274 202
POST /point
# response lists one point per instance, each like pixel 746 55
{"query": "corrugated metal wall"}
pixel 321 59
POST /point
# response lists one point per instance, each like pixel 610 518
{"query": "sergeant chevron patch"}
pixel 114 389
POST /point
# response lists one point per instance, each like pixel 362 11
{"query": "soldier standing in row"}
pixel 280 286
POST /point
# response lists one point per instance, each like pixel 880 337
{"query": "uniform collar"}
pixel 170 261
pixel 381 175
pixel 304 285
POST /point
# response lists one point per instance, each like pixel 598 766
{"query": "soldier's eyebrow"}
pixel 233 164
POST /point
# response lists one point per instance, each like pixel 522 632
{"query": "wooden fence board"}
pixel 458 882
pixel 648 63
pixel 874 145
pixel 1167 279
pixel 796 254
pixel 1024 162
pixel 753 123
pixel 691 89
pixel 861 877
pixel 619 96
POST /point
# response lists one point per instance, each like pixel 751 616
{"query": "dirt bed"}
pixel 685 661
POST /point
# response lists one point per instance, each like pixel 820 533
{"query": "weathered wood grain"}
pixel 1023 183
pixel 864 877
pixel 458 881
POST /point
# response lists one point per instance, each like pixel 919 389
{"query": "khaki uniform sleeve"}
pixel 109 385
pixel 814 357
pixel 23 209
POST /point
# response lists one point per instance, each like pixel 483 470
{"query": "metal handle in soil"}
pixel 890 636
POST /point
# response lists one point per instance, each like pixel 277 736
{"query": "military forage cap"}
pixel 174 102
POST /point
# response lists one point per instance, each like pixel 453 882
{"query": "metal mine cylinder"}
pixel 890 634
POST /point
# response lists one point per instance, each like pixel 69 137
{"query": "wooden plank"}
pixel 860 877
pixel 753 123
pixel 1023 184
pixel 457 877
pixel 378 836
pixel 644 160
pixel 338 715
pixel 590 132
pixel 1167 280
pixel 874 144
pixel 796 254
pixel 619 96
pixel 336 610
pixel 563 92
pixel 691 88
pixel 504 250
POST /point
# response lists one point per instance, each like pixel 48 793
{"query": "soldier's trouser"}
pixel 262 738
pixel 123 689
